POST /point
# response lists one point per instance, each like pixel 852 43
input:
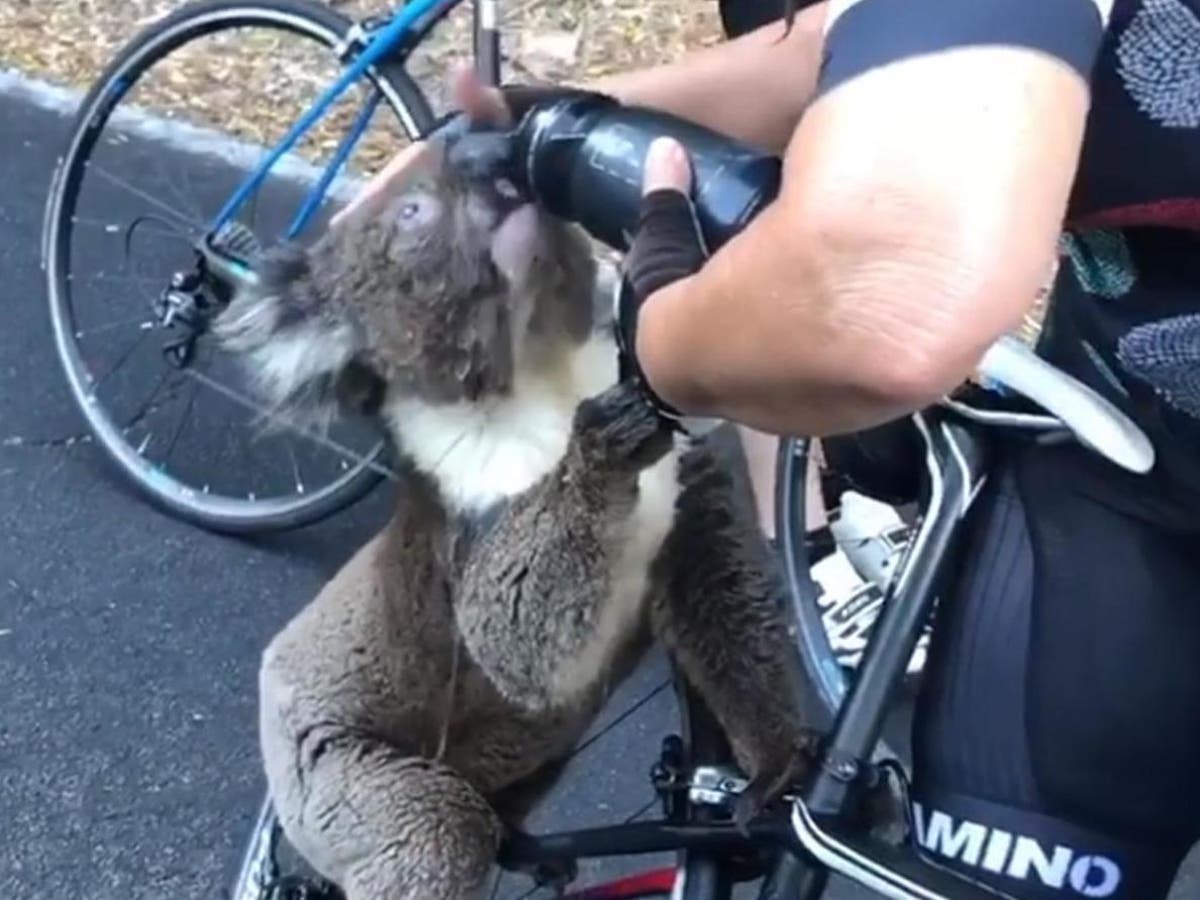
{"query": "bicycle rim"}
pixel 821 666
pixel 357 470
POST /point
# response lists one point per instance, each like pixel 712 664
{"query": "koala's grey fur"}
pixel 410 710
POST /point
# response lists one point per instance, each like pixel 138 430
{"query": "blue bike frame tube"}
pixel 389 36
pixel 313 200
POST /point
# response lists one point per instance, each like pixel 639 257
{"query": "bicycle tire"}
pixel 821 668
pixel 823 674
pixel 157 40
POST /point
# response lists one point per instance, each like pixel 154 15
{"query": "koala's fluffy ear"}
pixel 283 264
pixel 283 291
pixel 286 275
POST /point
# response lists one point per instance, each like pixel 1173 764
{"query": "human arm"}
pixel 918 217
pixel 753 88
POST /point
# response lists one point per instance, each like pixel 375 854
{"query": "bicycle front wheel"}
pixel 173 126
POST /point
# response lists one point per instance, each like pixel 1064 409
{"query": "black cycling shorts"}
pixel 1058 724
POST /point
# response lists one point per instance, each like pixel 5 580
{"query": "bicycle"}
pixel 369 59
pixel 818 829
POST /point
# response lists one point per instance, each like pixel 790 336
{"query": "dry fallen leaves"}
pixel 69 42
pixel 256 95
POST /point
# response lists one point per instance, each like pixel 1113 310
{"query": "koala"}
pixel 549 528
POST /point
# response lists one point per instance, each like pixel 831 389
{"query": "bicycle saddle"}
pixel 1092 420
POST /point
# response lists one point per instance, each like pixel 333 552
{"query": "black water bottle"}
pixel 583 157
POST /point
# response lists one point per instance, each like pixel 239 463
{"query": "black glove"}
pixel 667 246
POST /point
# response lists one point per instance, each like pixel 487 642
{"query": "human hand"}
pixel 667 246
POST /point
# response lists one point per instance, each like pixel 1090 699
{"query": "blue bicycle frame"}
pixel 411 23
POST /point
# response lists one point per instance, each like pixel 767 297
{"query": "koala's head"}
pixel 438 294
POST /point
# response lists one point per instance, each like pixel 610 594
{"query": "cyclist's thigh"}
pixel 1058 724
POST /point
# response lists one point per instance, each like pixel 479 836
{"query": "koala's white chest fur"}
pixel 483 454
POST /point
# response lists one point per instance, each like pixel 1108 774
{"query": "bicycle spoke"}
pixel 115 228
pixel 295 470
pixel 169 183
pixel 148 408
pixel 124 358
pixel 142 324
pixel 321 440
pixel 183 420
pixel 252 205
pixel 198 228
pixel 186 174
pixel 649 805
pixel 621 718
pixel 120 279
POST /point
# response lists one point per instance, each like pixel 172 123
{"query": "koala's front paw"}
pixel 619 428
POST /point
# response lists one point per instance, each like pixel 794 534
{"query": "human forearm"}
pixel 916 224
pixel 781 356
pixel 753 88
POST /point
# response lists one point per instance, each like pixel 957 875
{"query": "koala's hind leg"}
pixel 384 826
pixel 717 610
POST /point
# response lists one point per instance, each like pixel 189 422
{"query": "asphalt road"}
pixel 129 640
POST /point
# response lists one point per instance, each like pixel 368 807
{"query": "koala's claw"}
pixel 771 783
pixel 622 428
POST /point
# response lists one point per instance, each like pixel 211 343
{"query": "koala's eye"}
pixel 416 210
